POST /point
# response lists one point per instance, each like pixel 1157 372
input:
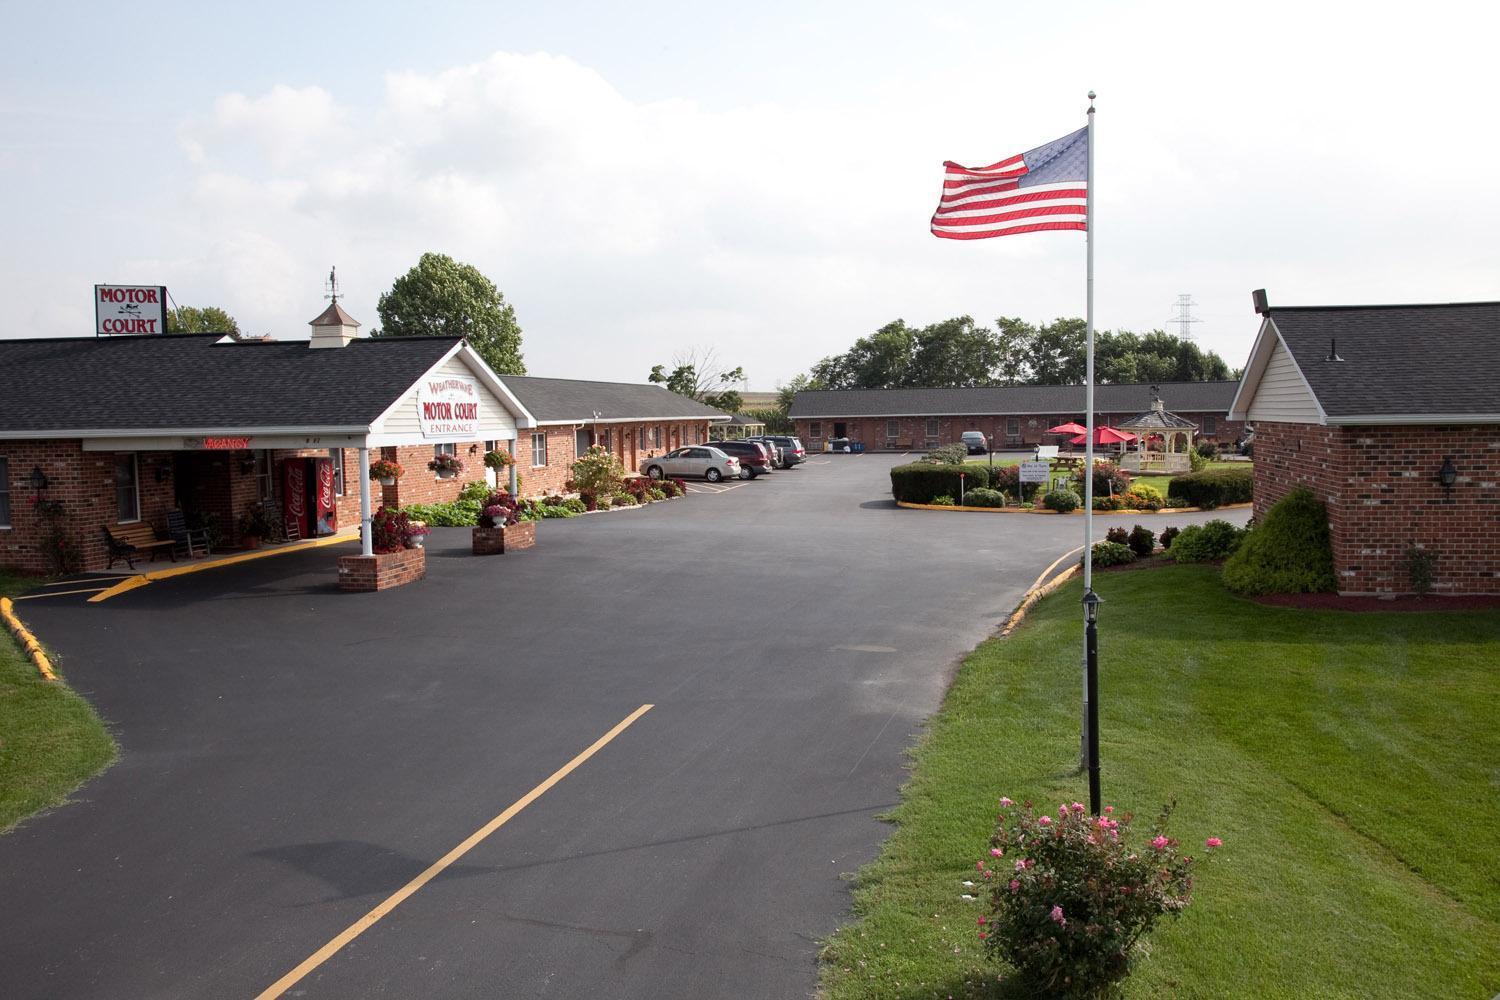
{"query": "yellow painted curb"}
pixel 1041 590
pixel 26 639
pixel 1073 513
pixel 143 579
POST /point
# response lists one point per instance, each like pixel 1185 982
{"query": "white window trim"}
pixel 339 486
pixel 534 436
pixel 437 450
pixel 135 462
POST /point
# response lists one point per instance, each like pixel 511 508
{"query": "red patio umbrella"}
pixel 1106 435
pixel 1068 428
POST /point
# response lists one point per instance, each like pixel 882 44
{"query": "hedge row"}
pixel 921 481
pixel 1212 487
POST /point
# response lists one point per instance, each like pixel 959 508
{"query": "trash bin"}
pixel 839 445
pixel 859 446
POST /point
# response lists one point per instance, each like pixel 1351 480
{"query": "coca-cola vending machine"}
pixel 307 500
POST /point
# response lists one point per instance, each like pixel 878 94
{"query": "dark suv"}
pixel 792 452
pixel 754 458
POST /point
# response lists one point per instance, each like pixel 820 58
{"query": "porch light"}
pixel 1448 474
pixel 37 479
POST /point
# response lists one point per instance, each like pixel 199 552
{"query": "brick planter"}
pixel 498 541
pixel 382 571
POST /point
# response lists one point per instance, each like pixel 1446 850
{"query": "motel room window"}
pixel 932 427
pixel 1210 426
pixel 4 492
pixel 815 429
pixel 538 449
pixel 1012 426
pixel 444 449
pixel 337 455
pixel 263 482
pixel 127 488
pixel 656 436
pixel 640 439
pixel 892 428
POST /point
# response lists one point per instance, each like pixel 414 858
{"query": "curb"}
pixel 28 641
pixel 1075 513
pixel 1040 590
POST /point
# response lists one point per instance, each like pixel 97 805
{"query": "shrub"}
pixel 1117 535
pixel 949 454
pixel 1026 505
pixel 624 498
pixel 1212 487
pixel 1061 501
pixel 1111 554
pixel 943 501
pixel 1007 479
pixel 1175 503
pixel 1142 540
pixel 457 514
pixel 1208 449
pixel 921 481
pixel 1143 496
pixel 1109 479
pixel 598 472
pixel 475 492
pixel 1167 534
pixel 1071 898
pixel 1420 564
pixel 1289 554
pixel 257 522
pixel 1196 462
pixel 1206 542
pixel 1108 503
pixel 391 530
pixel 983 497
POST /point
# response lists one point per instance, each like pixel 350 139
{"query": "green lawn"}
pixel 51 741
pixel 998 460
pixel 1350 762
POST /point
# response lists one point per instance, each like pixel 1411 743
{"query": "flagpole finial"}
pixel 1091 102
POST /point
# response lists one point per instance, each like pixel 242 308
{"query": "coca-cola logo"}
pixel 325 486
pixel 295 487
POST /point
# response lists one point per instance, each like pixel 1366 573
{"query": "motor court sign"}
pixel 130 310
pixel 448 408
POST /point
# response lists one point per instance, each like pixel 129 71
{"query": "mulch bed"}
pixel 1408 602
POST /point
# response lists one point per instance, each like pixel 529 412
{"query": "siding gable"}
pixel 401 426
pixel 1283 394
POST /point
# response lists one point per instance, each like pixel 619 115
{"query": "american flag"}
pixel 1043 188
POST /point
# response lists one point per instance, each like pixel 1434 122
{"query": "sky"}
pixel 649 179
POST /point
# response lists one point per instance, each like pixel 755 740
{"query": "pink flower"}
pixel 1020 866
pixel 995 852
pixel 981 921
pixel 1108 810
pixel 1078 807
pixel 1062 810
pixel 1045 821
pixel 1005 802
pixel 1014 885
pixel 979 866
pixel 1160 843
pixel 1058 918
pixel 1214 842
pixel 982 935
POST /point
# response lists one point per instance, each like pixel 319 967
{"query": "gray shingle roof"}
pixel 573 401
pixel 193 382
pixel 1398 360
pixel 1050 400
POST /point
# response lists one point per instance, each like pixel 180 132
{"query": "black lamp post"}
pixel 1448 475
pixel 37 479
pixel 1091 602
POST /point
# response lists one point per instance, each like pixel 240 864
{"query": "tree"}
pixel 697 373
pixel 954 353
pixel 207 319
pixel 447 298
pixel 879 361
pixel 1053 354
pixel 1050 354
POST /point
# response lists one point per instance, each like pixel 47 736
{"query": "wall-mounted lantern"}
pixel 1448 475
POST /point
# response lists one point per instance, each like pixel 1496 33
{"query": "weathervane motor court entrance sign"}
pixel 1050 187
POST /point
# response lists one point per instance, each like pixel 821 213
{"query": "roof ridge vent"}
pixel 1333 350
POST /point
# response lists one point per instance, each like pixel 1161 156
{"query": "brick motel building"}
pixel 1008 416
pixel 1391 415
pixel 101 432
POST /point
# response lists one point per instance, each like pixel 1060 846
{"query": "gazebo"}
pixel 1162 442
pixel 738 426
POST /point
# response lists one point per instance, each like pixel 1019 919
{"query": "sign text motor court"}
pixel 130 309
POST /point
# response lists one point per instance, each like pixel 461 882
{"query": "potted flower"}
pixel 255 525
pixel 446 466
pixel 500 526
pixel 498 460
pixel 385 472
pixel 416 534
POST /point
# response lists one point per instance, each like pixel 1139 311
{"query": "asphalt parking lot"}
pixel 293 756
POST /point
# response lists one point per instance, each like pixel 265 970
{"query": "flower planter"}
pixel 249 542
pixel 387 480
pixel 498 541
pixel 446 473
pixel 382 570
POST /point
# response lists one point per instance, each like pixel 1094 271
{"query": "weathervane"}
pixel 333 285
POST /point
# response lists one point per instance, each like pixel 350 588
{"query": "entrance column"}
pixel 366 539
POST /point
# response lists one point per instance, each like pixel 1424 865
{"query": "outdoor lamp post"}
pixel 1091 602
pixel 597 415
pixel 1447 475
pixel 37 479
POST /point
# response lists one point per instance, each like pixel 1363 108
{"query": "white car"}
pixel 697 461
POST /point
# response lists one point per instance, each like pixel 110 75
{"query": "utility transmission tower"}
pixel 1184 318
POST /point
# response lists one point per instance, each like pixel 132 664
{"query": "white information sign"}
pixel 448 408
pixel 130 309
pixel 1035 472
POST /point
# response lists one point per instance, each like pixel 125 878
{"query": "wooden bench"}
pixel 126 541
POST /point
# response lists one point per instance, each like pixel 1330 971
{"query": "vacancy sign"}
pixel 129 310
pixel 448 408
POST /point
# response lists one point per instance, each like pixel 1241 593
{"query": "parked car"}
pixel 792 452
pixel 975 442
pixel 697 461
pixel 771 447
pixel 754 458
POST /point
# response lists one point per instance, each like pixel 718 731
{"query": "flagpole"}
pixel 1088 460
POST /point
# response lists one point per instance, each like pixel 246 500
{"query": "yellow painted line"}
pixel 91 578
pixel 1039 590
pixel 141 580
pixel 367 921
pixel 1073 513
pixel 61 593
pixel 26 639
